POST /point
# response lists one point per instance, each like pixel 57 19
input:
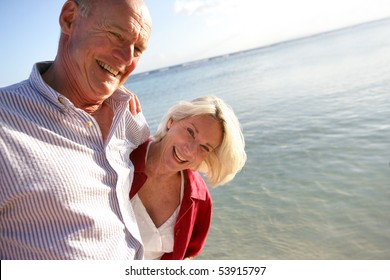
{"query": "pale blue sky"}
pixel 183 30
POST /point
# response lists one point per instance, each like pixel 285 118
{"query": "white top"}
pixel 157 241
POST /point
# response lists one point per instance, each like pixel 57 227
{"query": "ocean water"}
pixel 316 118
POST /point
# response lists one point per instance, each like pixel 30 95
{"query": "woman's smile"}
pixel 178 156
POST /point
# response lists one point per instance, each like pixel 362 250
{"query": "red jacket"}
pixel 193 223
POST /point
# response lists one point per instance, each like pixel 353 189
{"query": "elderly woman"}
pixel 170 198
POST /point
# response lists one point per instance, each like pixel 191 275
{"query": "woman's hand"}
pixel 134 105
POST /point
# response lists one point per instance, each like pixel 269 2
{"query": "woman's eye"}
pixel 205 148
pixel 191 132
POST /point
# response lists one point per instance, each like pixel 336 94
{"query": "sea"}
pixel 315 113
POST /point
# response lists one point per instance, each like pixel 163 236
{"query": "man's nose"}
pixel 124 53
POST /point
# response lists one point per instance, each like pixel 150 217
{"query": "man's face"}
pixel 105 45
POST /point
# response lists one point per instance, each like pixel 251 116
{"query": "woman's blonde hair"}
pixel 227 159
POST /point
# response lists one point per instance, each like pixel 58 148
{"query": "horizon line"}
pixel 186 63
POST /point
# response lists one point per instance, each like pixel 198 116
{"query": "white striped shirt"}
pixel 64 194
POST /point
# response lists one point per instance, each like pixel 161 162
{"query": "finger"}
pixel 133 106
pixel 133 102
pixel 137 104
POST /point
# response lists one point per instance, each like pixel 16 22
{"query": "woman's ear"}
pixel 169 124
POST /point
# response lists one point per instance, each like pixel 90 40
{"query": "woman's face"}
pixel 189 141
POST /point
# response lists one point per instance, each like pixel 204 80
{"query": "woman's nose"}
pixel 191 147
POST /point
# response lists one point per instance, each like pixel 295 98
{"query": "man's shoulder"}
pixel 15 87
pixel 26 85
pixel 15 92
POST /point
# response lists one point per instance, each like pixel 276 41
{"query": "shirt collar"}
pixel 197 185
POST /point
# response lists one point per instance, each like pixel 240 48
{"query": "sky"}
pixel 183 30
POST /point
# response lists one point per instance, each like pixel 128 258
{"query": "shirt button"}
pixel 88 124
pixel 61 99
pixel 177 232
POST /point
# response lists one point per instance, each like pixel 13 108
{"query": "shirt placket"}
pixel 81 122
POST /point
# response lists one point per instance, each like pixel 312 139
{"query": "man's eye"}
pixel 116 35
pixel 137 52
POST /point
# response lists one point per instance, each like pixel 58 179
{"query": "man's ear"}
pixel 67 16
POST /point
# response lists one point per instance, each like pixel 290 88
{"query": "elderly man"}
pixel 66 134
